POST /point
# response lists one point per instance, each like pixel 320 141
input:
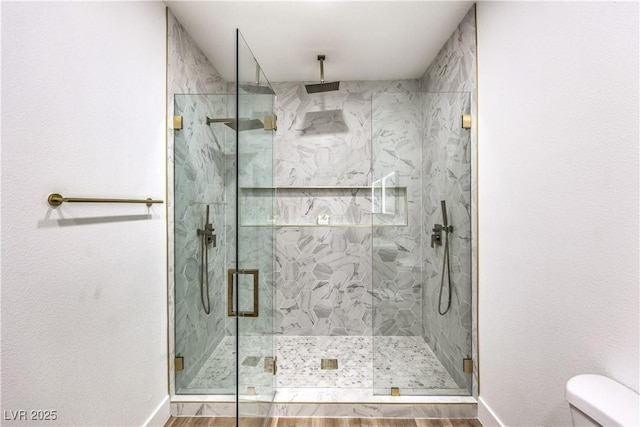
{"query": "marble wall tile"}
pixel 197 409
pixel 202 164
pixel 323 281
pixel 373 410
pixel 447 177
pixel 397 251
pixel 449 85
pixel 191 333
pixel 325 139
pixel 327 284
pixel 198 185
pixel 255 244
pixel 341 410
pixel 189 69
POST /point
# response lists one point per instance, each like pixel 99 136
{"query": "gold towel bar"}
pixel 56 199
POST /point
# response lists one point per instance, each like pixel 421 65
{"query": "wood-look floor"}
pixel 321 422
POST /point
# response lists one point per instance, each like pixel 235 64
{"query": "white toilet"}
pixel 600 401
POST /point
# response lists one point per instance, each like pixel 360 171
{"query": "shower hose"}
pixel 204 275
pixel 445 263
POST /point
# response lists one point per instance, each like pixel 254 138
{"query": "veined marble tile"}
pixel 364 410
pixel 324 279
pixel 329 281
pixel 189 72
pixel 213 409
pixel 449 90
pixel 365 364
pixel 198 177
pixel 368 395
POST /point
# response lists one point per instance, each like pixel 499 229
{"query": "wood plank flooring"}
pixel 322 422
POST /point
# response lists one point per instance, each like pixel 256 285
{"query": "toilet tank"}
pixel 604 400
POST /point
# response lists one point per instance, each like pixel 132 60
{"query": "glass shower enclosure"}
pixel 224 268
pixel 421 232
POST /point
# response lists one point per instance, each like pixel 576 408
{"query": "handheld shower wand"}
pixel 443 204
pixel 208 238
pixel 438 229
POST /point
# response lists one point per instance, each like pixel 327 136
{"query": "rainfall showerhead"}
pixel 322 86
pixel 238 125
pixel 257 90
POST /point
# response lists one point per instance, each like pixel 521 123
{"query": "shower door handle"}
pixel 231 280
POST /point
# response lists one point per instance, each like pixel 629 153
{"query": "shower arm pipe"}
pixel 56 200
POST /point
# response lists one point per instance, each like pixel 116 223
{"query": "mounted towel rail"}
pixel 56 200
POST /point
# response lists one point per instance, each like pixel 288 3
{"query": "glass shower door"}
pixel 205 356
pixel 253 277
pixel 421 166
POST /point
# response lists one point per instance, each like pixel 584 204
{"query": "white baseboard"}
pixel 486 416
pixel 160 415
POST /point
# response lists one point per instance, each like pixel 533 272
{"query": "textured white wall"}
pixel 558 189
pixel 83 286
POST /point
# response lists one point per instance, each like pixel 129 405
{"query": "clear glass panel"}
pixel 254 282
pixel 420 157
pixel 202 244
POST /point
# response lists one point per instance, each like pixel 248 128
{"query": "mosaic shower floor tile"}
pixel 363 363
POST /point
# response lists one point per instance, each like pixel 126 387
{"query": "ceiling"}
pixel 362 40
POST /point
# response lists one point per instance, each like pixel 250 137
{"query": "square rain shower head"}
pixel 322 87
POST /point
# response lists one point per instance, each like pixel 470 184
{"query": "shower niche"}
pixel 330 206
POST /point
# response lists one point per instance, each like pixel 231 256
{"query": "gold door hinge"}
pixel 395 391
pixel 271 365
pixel 271 122
pixel 179 363
pixel 467 366
pixel 177 122
pixel 466 121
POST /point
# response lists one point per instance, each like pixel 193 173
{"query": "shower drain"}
pixel 329 364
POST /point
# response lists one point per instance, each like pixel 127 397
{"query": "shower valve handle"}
pixel 436 237
pixel 208 234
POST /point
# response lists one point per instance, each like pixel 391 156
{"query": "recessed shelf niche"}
pixel 323 206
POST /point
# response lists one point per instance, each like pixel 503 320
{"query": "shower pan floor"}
pixel 365 364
